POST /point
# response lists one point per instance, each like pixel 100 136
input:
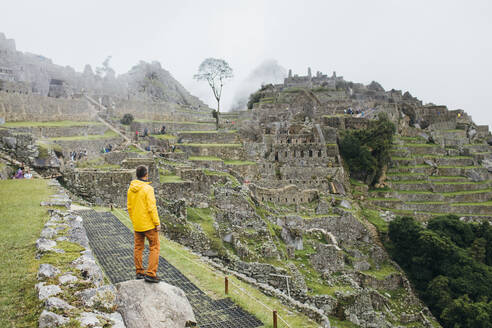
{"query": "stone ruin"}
pixel 268 195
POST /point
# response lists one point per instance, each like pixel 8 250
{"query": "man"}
pixel 143 213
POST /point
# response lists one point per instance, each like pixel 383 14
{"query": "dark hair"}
pixel 141 171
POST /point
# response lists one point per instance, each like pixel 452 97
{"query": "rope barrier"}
pixel 241 289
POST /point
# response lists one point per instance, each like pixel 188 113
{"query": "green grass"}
pixel 407 174
pixel 208 131
pixel 133 149
pixel 97 163
pixel 235 182
pixel 172 122
pixel 419 145
pixel 374 217
pixel 169 178
pixel 107 135
pixel 164 136
pixel 210 145
pixel 204 158
pixel 357 183
pixel 411 213
pixel 235 162
pixel 212 281
pixel 337 115
pixel 440 182
pixel 382 273
pixel 488 203
pixel 48 124
pixel 22 219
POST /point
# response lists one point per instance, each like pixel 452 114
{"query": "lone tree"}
pixel 215 72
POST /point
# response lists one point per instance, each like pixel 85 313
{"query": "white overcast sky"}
pixel 439 50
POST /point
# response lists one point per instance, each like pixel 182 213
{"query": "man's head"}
pixel 142 172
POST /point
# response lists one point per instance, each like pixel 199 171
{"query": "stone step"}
pixel 406 176
pixel 208 137
pixel 481 156
pixel 424 178
pixel 421 149
pixel 439 186
pixel 231 151
pixel 441 170
pixel 478 148
pixel 440 160
pixel 400 140
pixel 484 208
pixel 455 197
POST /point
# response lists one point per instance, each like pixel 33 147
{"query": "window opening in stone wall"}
pixel 319 153
pixel 310 153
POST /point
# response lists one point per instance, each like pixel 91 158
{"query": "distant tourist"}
pixel 28 174
pixel 146 132
pixel 173 148
pixel 142 209
pixel 163 129
pixel 20 173
pixel 136 135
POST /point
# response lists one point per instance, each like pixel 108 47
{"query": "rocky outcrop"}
pixel 146 305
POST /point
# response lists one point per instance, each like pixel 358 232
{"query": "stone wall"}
pixel 62 131
pixel 165 111
pixel 287 195
pixel 171 126
pixel 116 157
pixel 133 163
pixel 99 187
pixel 24 148
pixel 345 122
pixel 233 153
pixel 482 131
pixel 207 137
pixel 34 107
pixel 92 146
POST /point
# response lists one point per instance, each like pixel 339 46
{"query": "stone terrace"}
pixel 432 179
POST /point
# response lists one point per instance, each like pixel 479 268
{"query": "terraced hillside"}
pixel 428 179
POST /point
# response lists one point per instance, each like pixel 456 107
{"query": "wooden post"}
pixel 226 281
pixel 274 318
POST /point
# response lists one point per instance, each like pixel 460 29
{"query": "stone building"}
pixel 59 89
pixel 6 74
pixel 310 81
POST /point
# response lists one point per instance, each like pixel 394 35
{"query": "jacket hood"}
pixel 137 185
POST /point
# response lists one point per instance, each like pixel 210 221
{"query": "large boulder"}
pixel 145 305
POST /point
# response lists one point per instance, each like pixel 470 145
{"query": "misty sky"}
pixel 440 51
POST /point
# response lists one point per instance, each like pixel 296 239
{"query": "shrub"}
pixel 448 262
pixel 127 119
pixel 367 151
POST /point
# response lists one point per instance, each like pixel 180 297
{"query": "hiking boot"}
pixel 140 276
pixel 151 279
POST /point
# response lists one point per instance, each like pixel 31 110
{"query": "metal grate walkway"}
pixel 112 244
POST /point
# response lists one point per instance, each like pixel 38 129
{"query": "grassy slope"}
pixel 54 123
pixel 212 282
pixel 107 135
pixel 19 229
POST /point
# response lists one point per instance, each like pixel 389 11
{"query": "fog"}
pixel 438 50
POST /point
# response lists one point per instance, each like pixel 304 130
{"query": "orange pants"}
pixel 154 246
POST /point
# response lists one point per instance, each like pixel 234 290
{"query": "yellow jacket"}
pixel 141 206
